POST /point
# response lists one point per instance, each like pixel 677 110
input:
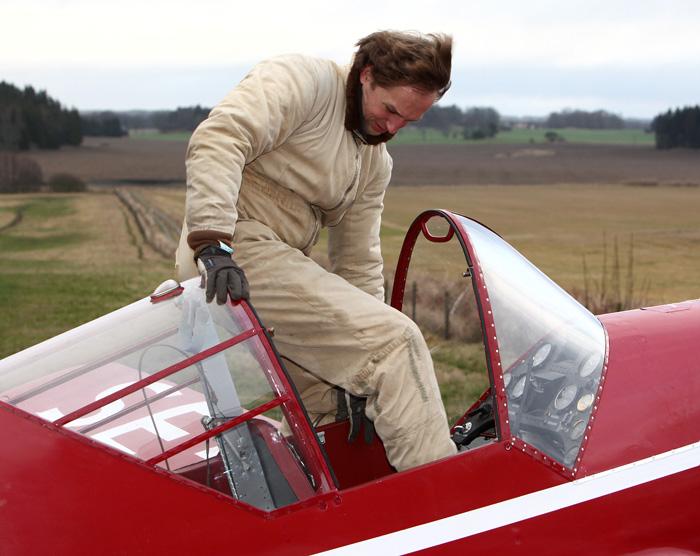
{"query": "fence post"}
pixel 447 315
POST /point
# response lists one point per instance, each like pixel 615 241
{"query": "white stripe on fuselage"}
pixel 527 506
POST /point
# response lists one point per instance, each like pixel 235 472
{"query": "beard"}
pixel 375 139
pixel 354 118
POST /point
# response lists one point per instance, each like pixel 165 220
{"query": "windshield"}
pixel 181 384
pixel 552 349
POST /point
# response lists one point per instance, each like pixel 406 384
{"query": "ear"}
pixel 366 75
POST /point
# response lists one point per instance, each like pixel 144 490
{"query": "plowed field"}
pixel 143 161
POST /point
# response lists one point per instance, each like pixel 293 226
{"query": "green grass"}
pixel 158 136
pixel 41 304
pixel 40 211
pixel 42 207
pixel 16 243
pixel 45 291
pixel 49 281
pixel 461 373
pixel 48 207
pixel 416 136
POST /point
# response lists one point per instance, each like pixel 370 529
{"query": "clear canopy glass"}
pixel 552 349
pixel 177 369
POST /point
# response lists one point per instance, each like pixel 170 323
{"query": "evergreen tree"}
pixel 30 118
pixel 678 128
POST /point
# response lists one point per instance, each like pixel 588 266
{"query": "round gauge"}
pixel 565 396
pixel 584 402
pixel 519 388
pixel 589 365
pixel 541 354
pixel 507 377
pixel 570 456
pixel 577 429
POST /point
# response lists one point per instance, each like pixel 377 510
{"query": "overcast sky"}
pixel 633 57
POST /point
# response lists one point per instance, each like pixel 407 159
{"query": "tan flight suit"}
pixel 273 164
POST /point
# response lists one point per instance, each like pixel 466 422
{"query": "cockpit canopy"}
pixel 191 387
pixel 551 348
pixel 545 352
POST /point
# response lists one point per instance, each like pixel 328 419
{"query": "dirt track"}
pixel 105 161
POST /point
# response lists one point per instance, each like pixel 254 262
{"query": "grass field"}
pixel 74 257
pixel 158 136
pixel 413 135
pixel 66 259
pixel 70 259
pixel 555 227
pixel 83 249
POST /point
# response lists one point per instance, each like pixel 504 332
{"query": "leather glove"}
pixel 221 275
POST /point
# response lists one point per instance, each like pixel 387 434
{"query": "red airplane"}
pixel 170 426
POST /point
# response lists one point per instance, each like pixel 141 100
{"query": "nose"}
pixel 394 123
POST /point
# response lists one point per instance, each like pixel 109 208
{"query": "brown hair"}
pixel 400 58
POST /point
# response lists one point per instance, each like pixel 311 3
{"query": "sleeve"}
pixel 353 245
pixel 271 102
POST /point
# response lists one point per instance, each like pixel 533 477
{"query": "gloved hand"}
pixel 221 275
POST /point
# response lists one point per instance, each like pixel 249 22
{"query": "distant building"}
pixel 525 125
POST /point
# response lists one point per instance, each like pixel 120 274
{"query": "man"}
pixel 296 146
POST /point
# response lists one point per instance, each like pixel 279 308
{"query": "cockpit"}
pixel 197 390
pixel 190 387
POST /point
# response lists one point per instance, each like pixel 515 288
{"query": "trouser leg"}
pixel 348 338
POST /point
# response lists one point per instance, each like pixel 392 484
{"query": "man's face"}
pixel 388 109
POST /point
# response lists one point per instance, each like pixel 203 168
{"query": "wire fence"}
pixel 441 307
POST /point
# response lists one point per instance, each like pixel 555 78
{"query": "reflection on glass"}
pixel 550 345
pixel 590 364
pixel 519 387
pixel 585 402
pixel 258 461
pixel 541 354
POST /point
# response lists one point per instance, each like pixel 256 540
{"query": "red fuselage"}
pixel 69 495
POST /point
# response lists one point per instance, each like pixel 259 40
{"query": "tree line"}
pixel 32 118
pixel 598 119
pixel 185 118
pixel 678 128
pixel 484 122
pixel 472 123
pixel 103 124
pixel 116 124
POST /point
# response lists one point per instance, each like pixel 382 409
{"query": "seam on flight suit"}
pixel 415 372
